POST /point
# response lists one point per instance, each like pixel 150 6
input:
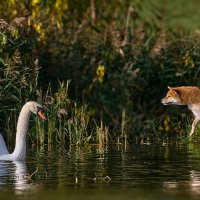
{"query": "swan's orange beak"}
pixel 42 115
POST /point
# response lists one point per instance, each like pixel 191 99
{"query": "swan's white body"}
pixel 19 152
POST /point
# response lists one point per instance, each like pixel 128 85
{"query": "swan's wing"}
pixel 3 148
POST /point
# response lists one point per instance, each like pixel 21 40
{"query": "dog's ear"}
pixel 175 90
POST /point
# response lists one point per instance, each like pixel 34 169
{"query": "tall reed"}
pixel 77 126
pixel 102 136
pixel 123 127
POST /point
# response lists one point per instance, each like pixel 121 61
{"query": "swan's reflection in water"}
pixel 13 174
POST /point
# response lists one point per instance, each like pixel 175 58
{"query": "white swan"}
pixel 19 152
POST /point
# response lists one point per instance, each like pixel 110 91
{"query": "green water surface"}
pixel 134 172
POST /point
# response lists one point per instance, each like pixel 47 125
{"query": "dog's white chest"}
pixel 195 108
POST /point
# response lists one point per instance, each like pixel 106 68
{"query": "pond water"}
pixel 139 172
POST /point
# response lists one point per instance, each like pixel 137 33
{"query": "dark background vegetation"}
pixel 104 65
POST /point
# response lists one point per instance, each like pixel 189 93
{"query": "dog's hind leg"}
pixel 194 123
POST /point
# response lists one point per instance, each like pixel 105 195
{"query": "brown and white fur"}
pixel 185 95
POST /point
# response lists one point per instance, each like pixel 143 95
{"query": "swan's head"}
pixel 36 108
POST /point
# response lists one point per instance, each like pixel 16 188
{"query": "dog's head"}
pixel 172 97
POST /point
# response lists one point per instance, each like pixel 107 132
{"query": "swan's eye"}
pixel 40 109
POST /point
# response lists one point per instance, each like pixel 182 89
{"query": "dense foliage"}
pixel 100 68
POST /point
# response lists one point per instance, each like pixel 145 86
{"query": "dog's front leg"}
pixel 194 123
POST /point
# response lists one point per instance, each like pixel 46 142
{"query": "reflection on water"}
pixel 13 174
pixel 146 171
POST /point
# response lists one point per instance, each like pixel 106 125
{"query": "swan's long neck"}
pixel 22 128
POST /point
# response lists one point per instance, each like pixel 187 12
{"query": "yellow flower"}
pixel 100 72
pixel 15 33
pixel 38 27
pixel 187 59
pixel 11 2
pixel 35 2
pixel 40 31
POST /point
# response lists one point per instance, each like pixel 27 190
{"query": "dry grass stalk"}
pixel 140 36
pixel 3 24
pixel 159 44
